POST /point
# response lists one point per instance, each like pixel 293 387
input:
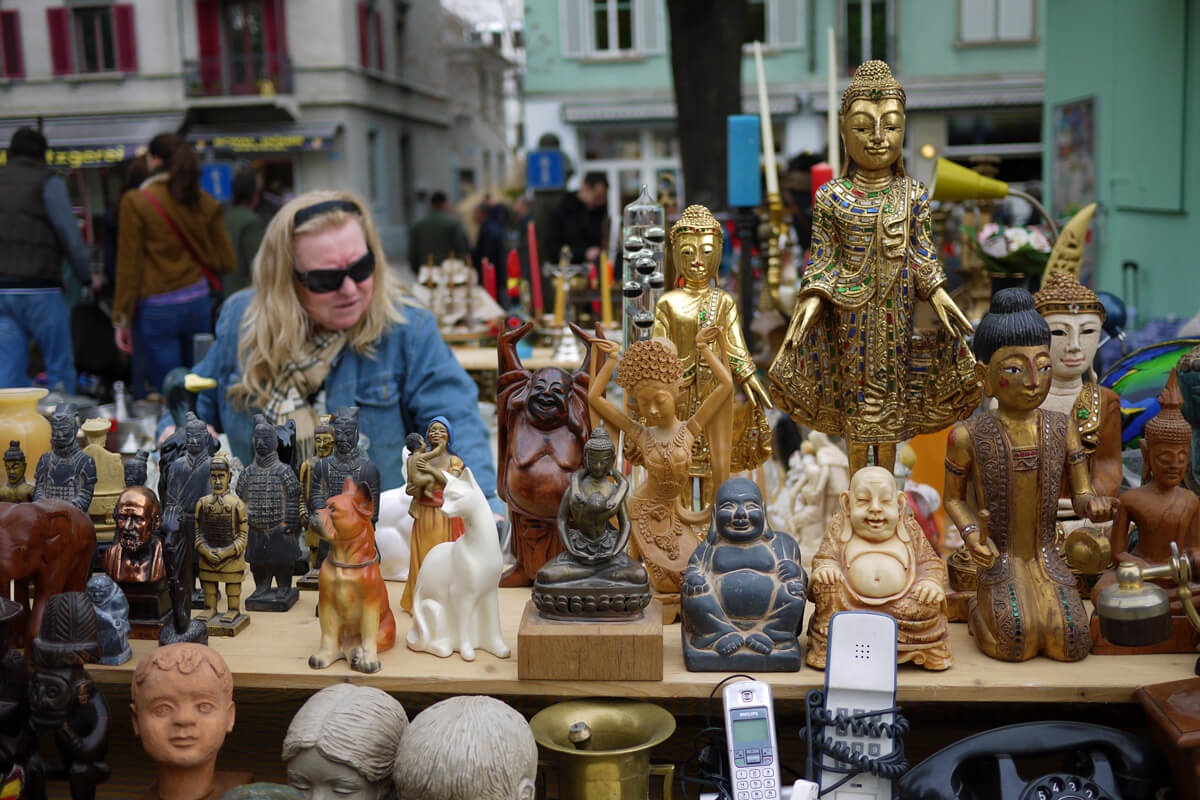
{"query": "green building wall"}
pixel 1141 63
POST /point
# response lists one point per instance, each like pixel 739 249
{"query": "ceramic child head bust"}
pixel 344 742
pixel 182 709
pixel 467 747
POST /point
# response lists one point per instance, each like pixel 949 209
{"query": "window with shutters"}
pixel 608 28
pixel 868 32
pixel 778 24
pixel 370 36
pixel 997 22
pixel 243 48
pixel 92 38
pixel 12 60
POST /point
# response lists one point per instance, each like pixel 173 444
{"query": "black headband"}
pixel 317 209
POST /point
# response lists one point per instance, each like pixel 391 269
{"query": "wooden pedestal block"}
pixel 590 651
pixel 957 605
pixel 1174 712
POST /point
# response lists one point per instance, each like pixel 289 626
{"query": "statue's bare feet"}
pixel 760 643
pixel 729 644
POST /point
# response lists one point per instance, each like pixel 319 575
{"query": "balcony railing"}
pixel 238 74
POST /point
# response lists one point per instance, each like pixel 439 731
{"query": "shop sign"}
pixel 76 157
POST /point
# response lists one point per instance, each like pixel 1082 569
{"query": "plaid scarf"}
pixel 300 379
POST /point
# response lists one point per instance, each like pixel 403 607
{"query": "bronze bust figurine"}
pixel 594 578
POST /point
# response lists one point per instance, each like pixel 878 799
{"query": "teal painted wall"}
pixel 926 31
pixel 1142 64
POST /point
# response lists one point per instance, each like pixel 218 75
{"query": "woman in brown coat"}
pixel 172 249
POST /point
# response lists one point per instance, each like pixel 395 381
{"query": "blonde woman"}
pixel 326 325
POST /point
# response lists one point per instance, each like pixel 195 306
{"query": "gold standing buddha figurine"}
pixel 864 373
pixel 680 315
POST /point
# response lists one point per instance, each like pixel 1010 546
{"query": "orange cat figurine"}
pixel 356 620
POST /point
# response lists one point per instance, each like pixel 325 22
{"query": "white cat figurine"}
pixel 393 534
pixel 456 605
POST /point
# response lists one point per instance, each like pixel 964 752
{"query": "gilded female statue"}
pixel 425 483
pixel 1014 456
pixel 864 373
pixel 696 246
pixel 665 533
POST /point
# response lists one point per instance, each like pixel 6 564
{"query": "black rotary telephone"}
pixel 1098 763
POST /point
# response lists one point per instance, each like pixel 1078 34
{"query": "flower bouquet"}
pixel 1013 249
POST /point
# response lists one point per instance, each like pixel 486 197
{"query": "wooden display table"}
pixel 273 654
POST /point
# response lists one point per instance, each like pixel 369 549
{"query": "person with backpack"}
pixel 172 249
pixel 37 229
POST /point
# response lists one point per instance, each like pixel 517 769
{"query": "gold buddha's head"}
pixel 872 119
pixel 1075 316
pixel 650 374
pixel 697 241
pixel 1167 439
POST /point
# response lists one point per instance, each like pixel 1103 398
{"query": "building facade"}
pixel 317 93
pixel 598 76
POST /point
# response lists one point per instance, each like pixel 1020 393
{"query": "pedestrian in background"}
pixel 172 248
pixel 37 229
pixel 245 227
pixel 436 235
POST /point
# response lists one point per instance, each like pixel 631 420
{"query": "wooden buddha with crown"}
pixel 853 364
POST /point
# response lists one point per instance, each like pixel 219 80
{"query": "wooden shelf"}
pixel 273 654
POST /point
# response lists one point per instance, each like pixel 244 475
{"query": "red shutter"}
pixel 364 46
pixel 127 60
pixel 10 36
pixel 208 36
pixel 380 61
pixel 275 37
pixel 58 20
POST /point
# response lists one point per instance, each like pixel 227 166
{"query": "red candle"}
pixel 489 278
pixel 821 173
pixel 535 270
pixel 593 278
pixel 514 275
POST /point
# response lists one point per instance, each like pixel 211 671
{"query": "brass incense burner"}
pixel 603 747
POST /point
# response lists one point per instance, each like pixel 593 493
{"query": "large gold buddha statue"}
pixel 735 439
pixel 863 372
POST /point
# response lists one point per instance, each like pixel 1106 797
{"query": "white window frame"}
pixel 996 39
pixel 844 17
pixel 773 40
pixel 613 29
pixel 577 22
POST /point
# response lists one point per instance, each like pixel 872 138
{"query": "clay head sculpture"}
pixel 137 555
pixel 182 709
pixel 467 747
pixel 344 740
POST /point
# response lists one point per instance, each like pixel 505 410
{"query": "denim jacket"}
pixel 412 378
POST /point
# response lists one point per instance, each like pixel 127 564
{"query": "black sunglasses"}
pixel 324 281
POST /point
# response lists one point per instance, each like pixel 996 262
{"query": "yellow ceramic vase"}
pixel 21 421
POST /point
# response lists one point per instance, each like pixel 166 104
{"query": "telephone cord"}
pixel 890 766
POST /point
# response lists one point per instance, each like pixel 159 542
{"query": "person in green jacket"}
pixel 437 235
pixel 245 227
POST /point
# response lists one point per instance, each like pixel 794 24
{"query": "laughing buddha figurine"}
pixel 681 313
pixel 852 364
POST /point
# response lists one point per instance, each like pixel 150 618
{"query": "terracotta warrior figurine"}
pixel 1026 601
pixel 875 557
pixel 64 703
pixel 222 533
pixel 594 578
pixel 468 747
pixel 181 702
pixel 852 364
pixel 325 760
pixel 271 492
pixel 110 474
pixel 187 482
pixel 329 474
pixel 134 469
pixel 426 483
pixel 1075 315
pixel 323 444
pixel 66 472
pixel 665 533
pixel 744 590
pixel 1161 508
pixel 696 246
pixel 543 423
pixel 17 490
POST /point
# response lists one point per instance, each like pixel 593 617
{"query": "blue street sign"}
pixel 545 169
pixel 217 180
